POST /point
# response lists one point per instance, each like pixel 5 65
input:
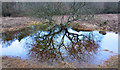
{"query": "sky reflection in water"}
pixel 21 49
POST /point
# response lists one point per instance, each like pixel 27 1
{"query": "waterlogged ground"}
pixel 44 46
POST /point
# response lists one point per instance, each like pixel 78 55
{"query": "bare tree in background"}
pixel 67 12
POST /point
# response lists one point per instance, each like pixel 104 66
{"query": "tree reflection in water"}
pixel 56 43
pixel 9 37
pixel 61 45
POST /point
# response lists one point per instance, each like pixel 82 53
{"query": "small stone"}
pixel 116 32
pixel 102 32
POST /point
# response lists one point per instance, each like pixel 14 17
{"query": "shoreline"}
pixel 16 23
pixel 14 62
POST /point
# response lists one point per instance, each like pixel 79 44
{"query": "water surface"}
pixel 59 44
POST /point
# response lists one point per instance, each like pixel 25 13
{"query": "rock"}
pixel 116 32
pixel 102 32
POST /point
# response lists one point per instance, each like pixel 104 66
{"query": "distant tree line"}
pixel 55 8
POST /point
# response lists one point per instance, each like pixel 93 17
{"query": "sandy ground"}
pixel 16 23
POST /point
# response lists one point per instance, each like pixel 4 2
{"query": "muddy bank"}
pixel 15 62
pixel 107 22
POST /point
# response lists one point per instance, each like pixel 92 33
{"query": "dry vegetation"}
pixel 15 23
pixel 98 23
pixel 12 62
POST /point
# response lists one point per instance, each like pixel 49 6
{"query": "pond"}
pixel 56 44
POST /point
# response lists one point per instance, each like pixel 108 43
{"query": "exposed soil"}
pixel 16 23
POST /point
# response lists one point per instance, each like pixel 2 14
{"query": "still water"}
pixel 59 44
